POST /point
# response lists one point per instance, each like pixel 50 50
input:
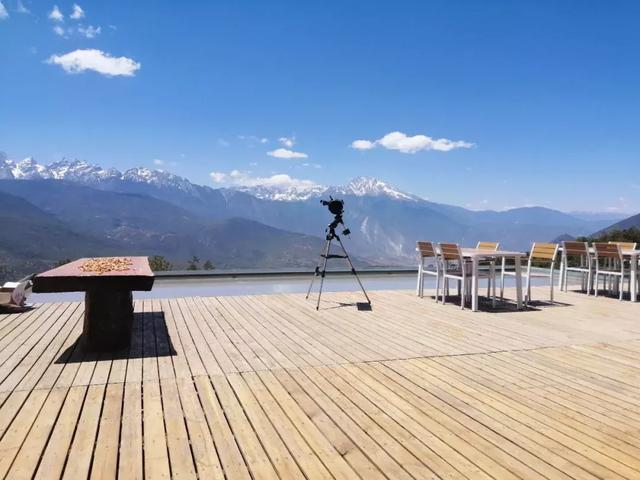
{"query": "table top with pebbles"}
pixel 130 273
pixel 102 265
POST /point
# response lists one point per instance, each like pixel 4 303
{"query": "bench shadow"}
pixel 149 339
pixel 506 306
pixel 602 294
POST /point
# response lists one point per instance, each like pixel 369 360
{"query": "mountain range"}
pixel 144 211
pixel 630 222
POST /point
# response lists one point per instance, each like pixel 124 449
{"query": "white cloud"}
pixel 312 165
pixel 287 141
pixel 77 12
pixel 56 15
pixel 20 8
pixel 362 144
pixel 253 139
pixel 218 177
pixel 3 12
pixel 403 143
pixel 58 30
pixel 244 179
pixel 96 60
pixel 284 153
pixel 400 141
pixel 157 161
pixel 89 31
pixel 223 143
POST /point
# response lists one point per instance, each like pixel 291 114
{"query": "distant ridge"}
pixel 86 173
pixel 630 222
pixel 83 172
pixel 384 220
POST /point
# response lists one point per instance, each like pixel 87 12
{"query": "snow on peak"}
pixel 284 193
pixel 81 171
pixel 369 186
pixel 359 186
pixel 86 173
pixel 158 178
pixel 27 169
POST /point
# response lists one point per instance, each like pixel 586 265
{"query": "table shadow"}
pixel 149 339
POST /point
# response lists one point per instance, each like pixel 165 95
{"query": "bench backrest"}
pixel 626 245
pixel 488 245
pixel 450 251
pixel 544 251
pixel 607 250
pixel 575 248
pixel 426 249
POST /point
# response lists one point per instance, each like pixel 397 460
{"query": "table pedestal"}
pixel 108 318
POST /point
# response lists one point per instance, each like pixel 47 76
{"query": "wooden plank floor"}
pixel 260 387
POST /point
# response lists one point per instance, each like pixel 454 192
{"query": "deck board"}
pixel 266 387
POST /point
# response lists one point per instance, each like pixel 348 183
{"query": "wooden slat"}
pixel 55 454
pixel 82 448
pixel 109 442
pixel 231 458
pixel 156 455
pixel 205 455
pixel 180 456
pixel 27 459
pixel 130 458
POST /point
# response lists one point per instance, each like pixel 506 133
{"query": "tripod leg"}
pixel 324 270
pixel 316 272
pixel 353 270
pixel 313 279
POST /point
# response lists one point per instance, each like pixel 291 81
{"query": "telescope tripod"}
pixel 326 256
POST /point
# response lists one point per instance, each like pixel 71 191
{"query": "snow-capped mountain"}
pixel 89 174
pixel 86 173
pixel 359 187
pixel 372 187
pixel 25 169
pixel 287 193
pixel 158 178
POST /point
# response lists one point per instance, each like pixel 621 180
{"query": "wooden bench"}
pixel 108 315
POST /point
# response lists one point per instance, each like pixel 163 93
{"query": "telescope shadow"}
pixel 360 306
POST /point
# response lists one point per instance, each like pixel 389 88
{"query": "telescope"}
pixel 336 207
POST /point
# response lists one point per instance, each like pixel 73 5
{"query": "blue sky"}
pixel 516 103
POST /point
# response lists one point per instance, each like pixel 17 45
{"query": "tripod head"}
pixel 331 228
pixel 337 208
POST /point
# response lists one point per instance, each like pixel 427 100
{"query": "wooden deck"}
pixel 266 387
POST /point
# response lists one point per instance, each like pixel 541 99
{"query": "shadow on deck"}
pixel 157 342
